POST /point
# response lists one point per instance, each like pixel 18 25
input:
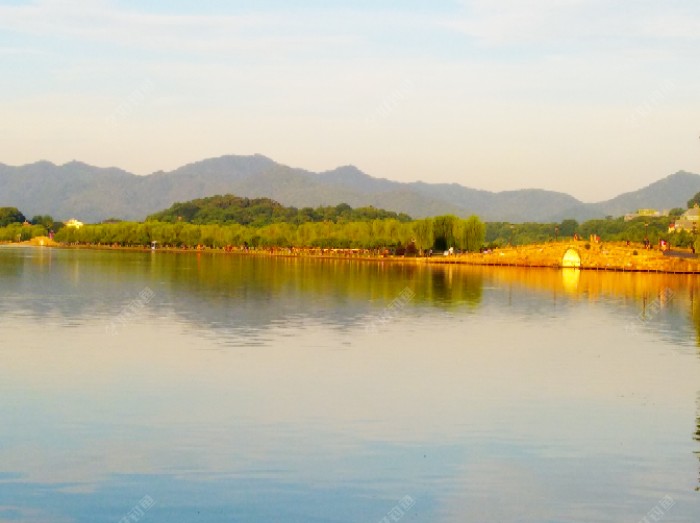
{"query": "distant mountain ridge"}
pixel 92 194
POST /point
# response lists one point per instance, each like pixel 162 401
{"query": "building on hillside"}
pixel 74 223
pixel 689 221
pixel 645 213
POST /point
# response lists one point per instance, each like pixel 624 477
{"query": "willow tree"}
pixel 423 233
pixel 444 231
pixel 472 234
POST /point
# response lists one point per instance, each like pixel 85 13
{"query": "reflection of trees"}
pixel 11 263
pixel 227 290
pixel 337 291
pixel 450 286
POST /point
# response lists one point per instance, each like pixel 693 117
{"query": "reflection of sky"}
pixel 526 407
pixel 240 297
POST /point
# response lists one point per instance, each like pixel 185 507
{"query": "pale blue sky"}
pixel 590 97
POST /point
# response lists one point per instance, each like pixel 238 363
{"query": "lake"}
pixel 209 387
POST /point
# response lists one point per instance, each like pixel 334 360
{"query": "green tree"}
pixel 46 220
pixel 695 199
pixel 473 233
pixel 10 215
pixel 423 232
pixel 568 228
pixel 676 212
pixel 444 231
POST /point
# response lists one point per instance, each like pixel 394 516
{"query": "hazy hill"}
pixel 92 194
pixel 663 194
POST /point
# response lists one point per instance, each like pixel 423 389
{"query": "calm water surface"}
pixel 163 387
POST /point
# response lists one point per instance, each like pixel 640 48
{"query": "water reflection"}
pixel 223 291
pixel 697 437
pixel 249 295
pixel 247 390
pixel 570 278
pixel 230 290
pixel 694 299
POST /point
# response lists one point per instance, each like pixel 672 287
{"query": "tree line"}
pixel 438 233
pixel 499 234
pixel 330 227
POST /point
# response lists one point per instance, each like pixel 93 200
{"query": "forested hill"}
pixel 258 212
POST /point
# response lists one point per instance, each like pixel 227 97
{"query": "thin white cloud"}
pixel 18 51
pixel 682 26
pixel 505 22
pixel 103 22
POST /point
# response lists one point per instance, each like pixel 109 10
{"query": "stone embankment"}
pixel 602 256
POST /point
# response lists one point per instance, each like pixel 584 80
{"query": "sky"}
pixel 588 97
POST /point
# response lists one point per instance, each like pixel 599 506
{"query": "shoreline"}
pixel 612 257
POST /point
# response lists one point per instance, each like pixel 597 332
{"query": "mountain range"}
pixel 93 194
